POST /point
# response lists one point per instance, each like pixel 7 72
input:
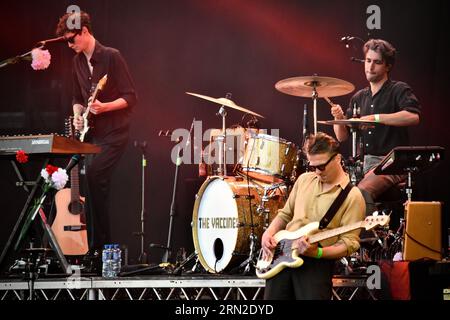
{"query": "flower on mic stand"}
pixel 40 59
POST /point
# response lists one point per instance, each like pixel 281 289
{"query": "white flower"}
pixel 59 179
pixel 41 59
pixel 44 174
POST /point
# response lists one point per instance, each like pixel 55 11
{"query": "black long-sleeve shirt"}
pixel 394 96
pixel 110 125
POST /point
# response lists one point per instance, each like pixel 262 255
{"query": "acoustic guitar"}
pixel 69 226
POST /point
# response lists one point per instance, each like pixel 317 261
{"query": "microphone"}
pixel 73 162
pixel 44 42
pixel 347 39
pixel 353 59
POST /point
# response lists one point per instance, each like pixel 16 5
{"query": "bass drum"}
pixel 222 218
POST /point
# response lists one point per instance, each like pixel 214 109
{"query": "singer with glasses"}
pixel 388 102
pixel 310 199
pixel 111 116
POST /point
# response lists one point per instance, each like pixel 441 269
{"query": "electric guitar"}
pixel 69 226
pixel 285 256
pixel 87 113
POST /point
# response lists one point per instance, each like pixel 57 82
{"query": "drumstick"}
pixel 329 101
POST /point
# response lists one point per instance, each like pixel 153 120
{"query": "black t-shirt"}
pixel 108 126
pixel 394 96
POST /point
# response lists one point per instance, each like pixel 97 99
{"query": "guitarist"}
pixel 312 195
pixel 110 113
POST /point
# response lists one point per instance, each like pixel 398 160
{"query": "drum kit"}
pixel 233 209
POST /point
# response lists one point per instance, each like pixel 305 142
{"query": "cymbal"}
pixel 225 102
pixel 325 86
pixel 353 122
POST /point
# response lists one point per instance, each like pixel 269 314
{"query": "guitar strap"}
pixel 335 206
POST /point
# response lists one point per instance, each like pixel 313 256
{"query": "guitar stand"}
pixel 25 219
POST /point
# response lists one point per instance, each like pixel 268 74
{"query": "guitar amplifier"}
pixel 423 231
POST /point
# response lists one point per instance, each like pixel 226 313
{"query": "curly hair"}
pixel 84 18
pixel 381 46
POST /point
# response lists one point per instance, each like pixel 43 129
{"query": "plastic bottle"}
pixel 107 261
pixel 116 260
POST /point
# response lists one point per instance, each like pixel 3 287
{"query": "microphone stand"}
pixel 25 56
pixel 143 255
pixel 168 247
pixel 14 60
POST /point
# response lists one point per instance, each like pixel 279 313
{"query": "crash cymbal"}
pixel 354 122
pixel 325 86
pixel 225 102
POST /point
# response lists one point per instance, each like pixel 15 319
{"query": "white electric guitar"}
pixel 87 113
pixel 285 256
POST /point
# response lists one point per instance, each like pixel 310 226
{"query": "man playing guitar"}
pixel 312 195
pixel 111 113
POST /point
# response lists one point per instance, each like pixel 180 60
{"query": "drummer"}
pixel 388 102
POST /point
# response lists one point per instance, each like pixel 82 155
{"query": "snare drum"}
pixel 269 158
pixel 223 214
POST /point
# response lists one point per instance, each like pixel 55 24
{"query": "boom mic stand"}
pixel 168 247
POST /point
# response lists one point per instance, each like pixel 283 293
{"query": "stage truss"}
pixel 162 288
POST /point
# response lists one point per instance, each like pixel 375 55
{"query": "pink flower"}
pixel 41 59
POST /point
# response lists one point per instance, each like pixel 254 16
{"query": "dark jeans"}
pixel 372 186
pixel 311 281
pixel 99 169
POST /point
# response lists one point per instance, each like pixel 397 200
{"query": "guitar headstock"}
pixel 102 82
pixel 68 128
pixel 374 221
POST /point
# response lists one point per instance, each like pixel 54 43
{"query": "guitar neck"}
pixel 74 183
pixel 335 232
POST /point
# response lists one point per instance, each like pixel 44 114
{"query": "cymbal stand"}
pixel 222 170
pixel 314 97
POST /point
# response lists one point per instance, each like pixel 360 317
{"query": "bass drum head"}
pixel 215 224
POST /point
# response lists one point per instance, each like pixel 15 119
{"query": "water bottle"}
pixel 116 260
pixel 106 261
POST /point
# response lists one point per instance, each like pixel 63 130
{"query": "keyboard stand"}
pixel 24 221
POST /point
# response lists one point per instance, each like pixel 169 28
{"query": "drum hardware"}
pixel 314 87
pixel 224 102
pixel 355 164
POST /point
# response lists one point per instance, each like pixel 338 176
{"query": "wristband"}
pixel 319 253
pixel 377 118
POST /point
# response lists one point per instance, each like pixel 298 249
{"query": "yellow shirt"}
pixel 308 203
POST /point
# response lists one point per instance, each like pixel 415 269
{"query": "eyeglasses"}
pixel 321 167
pixel 71 39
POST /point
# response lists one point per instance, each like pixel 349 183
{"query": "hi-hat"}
pixel 353 122
pixel 225 102
pixel 304 86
